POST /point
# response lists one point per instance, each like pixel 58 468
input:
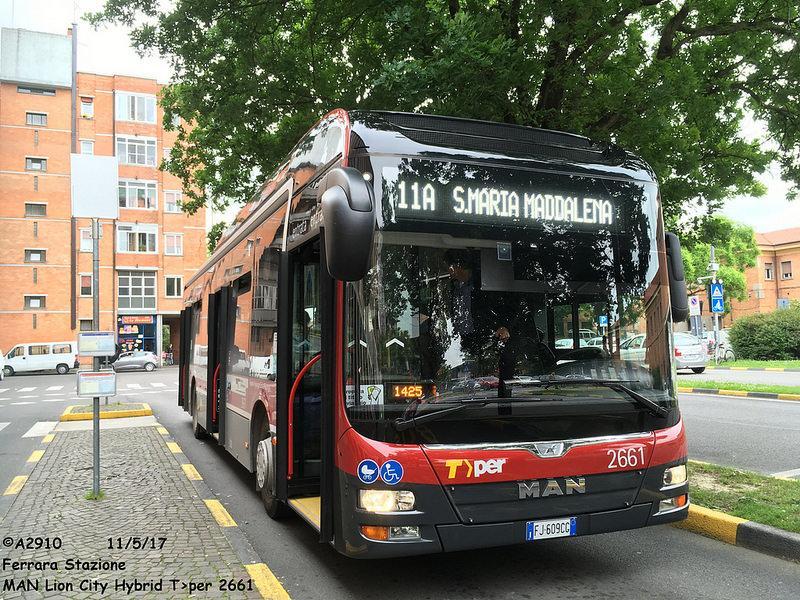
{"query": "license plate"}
pixel 553 528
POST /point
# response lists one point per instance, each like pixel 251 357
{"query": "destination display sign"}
pixel 421 190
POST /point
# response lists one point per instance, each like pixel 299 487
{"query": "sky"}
pixel 107 51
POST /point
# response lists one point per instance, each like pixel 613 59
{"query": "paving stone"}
pixel 146 495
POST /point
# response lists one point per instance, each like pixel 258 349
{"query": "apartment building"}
pixel 775 280
pixel 48 110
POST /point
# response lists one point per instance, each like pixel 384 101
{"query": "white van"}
pixel 42 356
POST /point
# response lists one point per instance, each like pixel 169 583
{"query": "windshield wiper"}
pixel 409 422
pixel 614 384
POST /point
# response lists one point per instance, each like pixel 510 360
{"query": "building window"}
pixel 85 280
pixel 173 244
pixel 35 209
pixel 87 108
pixel 35 164
pixel 166 153
pixel 87 146
pixel 136 151
pixel 86 325
pixel 786 269
pixel 33 255
pixel 137 194
pixel 135 107
pixel 86 240
pixel 35 118
pixel 140 238
pixel 36 91
pixel 34 302
pixel 172 201
pixel 136 289
pixel 174 286
pixel 768 271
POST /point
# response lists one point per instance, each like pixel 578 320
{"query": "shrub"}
pixel 770 336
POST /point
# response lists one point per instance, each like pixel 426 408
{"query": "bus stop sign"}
pixel 717 298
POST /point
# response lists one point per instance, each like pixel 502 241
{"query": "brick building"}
pixel 772 283
pixel 47 111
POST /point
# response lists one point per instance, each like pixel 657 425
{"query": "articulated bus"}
pixel 428 334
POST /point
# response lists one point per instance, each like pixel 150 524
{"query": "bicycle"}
pixel 723 353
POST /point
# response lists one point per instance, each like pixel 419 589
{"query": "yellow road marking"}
pixel 267 584
pixel 222 516
pixel 35 456
pixel 738 368
pixel 48 438
pixel 162 430
pixel 712 523
pixel 779 369
pixel 788 396
pixel 732 392
pixel 191 472
pixel 173 446
pixel 685 390
pixel 16 485
pixel 308 508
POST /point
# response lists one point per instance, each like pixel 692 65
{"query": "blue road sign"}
pixel 717 298
pixel 602 320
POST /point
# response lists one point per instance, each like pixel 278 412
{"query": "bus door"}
pixel 305 373
pixel 221 318
pixel 183 355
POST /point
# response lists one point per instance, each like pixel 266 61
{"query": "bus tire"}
pixel 62 369
pixel 265 473
pixel 197 429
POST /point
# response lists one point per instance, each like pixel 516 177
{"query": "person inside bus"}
pixel 463 288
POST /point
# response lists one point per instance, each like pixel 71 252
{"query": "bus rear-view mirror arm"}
pixel 348 216
pixel 678 293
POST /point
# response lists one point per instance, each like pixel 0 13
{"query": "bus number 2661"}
pixel 626 458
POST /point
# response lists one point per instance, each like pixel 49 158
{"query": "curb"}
pixel 771 369
pixel 265 581
pixel 68 415
pixel 740 393
pixel 741 532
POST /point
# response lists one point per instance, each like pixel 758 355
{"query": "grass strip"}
pixel 763 364
pixel 760 498
pixel 733 385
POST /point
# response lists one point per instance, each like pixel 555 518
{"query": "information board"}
pixel 97 384
pixel 97 343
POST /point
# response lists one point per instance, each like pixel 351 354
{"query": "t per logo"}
pixel 474 468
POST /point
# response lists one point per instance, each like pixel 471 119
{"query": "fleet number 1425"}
pixel 626 458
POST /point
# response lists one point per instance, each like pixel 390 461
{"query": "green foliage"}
pixel 766 336
pixel 668 80
pixel 735 248
pixel 213 235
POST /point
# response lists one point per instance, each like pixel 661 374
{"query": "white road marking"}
pixel 28 396
pixel 26 389
pixel 40 429
pixel 134 386
pixel 4 425
pixel 20 403
pixel 5 398
pixel 55 400
pixel 4 390
pixel 155 384
pixel 54 394
pixel 53 388
pixel 792 473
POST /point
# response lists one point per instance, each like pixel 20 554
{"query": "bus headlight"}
pixel 384 501
pixel 674 476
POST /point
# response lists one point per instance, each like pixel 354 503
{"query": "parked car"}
pixel 42 356
pixel 690 352
pixel 138 359
pixel 2 366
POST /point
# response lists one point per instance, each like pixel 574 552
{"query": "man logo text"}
pixel 474 468
pixel 531 489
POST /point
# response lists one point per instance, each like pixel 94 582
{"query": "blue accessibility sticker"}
pixel 391 472
pixel 368 471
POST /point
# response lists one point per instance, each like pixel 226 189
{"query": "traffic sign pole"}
pixel 96 359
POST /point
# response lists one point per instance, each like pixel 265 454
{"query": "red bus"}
pixel 427 334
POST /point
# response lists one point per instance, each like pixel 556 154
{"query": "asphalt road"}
pixel 659 562
pixel 690 379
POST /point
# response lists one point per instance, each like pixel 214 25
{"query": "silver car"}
pixel 690 352
pixel 138 359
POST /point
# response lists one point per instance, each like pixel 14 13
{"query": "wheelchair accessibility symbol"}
pixel 391 472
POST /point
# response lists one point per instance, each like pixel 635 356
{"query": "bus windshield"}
pixel 529 322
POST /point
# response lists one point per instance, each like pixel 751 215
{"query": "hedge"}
pixel 768 336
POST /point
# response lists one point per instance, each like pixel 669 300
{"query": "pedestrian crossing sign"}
pixel 717 297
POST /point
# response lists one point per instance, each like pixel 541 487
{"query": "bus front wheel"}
pixel 265 473
pixel 197 429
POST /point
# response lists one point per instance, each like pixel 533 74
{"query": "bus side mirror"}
pixel 678 294
pixel 348 217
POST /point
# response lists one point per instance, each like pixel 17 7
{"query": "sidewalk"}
pixel 153 535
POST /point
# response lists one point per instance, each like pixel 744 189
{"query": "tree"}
pixel 213 235
pixel 735 248
pixel 668 80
